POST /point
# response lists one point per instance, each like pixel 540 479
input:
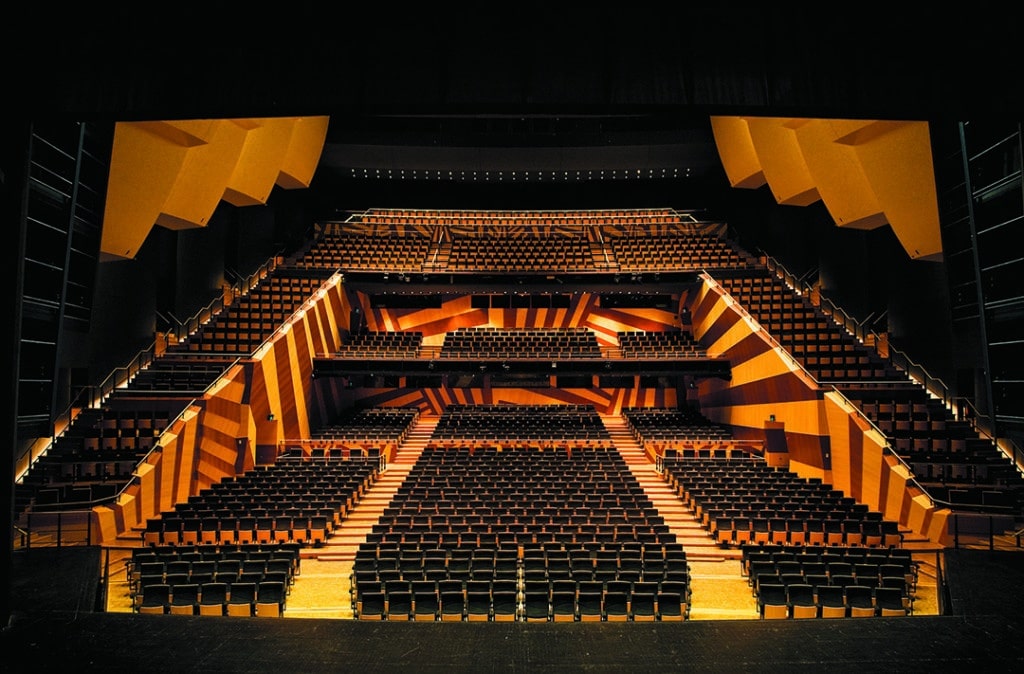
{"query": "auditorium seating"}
pixel 659 344
pixel 381 344
pixel 521 526
pixel 489 342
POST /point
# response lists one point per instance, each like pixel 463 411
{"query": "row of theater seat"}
pixel 496 602
pixel 267 598
pixel 192 579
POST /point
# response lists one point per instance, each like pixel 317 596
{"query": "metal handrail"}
pixel 887 448
pixel 92 396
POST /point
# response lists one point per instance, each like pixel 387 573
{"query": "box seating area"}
pixel 289 501
pixel 671 423
pixel 520 533
pixel 525 252
pixel 382 344
pixel 225 579
pixel 373 423
pixel 660 344
pixel 491 342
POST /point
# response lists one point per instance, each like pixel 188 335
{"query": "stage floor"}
pixel 54 628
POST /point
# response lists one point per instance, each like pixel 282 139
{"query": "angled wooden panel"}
pixel 897 161
pixel 836 170
pixel 145 161
pixel 204 172
pixel 782 160
pixel 266 145
pixel 304 150
pixel 736 150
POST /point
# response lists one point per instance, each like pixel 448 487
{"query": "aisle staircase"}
pixel 720 591
pixel 333 561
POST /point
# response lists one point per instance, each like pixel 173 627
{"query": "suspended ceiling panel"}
pixel 867 173
pixel 836 169
pixel 782 160
pixel 175 174
pixel 736 150
pixel 897 161
pixel 303 155
pixel 204 172
pixel 255 174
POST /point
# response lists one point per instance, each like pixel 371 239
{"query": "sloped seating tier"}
pixel 946 453
pixel 406 252
pixel 479 524
pixel 292 500
pixel 948 456
pixel 250 319
pixel 520 251
pixel 193 568
pixel 741 501
pixel 500 422
pixel 675 252
pixel 97 454
pixel 884 580
pixel 523 242
pixel 172 374
pixel 491 342
pixel 825 349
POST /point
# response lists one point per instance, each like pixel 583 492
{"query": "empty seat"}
pixel 802 602
pixel 184 599
pixel 642 607
pixel 535 606
pixel 478 605
pixel 670 606
pixel 213 597
pixel 453 605
pixel 890 601
pixel 270 598
pixel 588 606
pixel 426 604
pixel 563 605
pixel 399 605
pixel 772 602
pixel 616 606
pixel 242 599
pixel 860 601
pixel 504 606
pixel 156 599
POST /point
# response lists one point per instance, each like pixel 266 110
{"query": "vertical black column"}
pixel 13 172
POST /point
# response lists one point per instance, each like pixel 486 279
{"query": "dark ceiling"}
pixel 554 93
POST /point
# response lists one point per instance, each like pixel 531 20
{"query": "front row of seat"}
pixel 265 599
pixel 510 606
pixel 803 600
